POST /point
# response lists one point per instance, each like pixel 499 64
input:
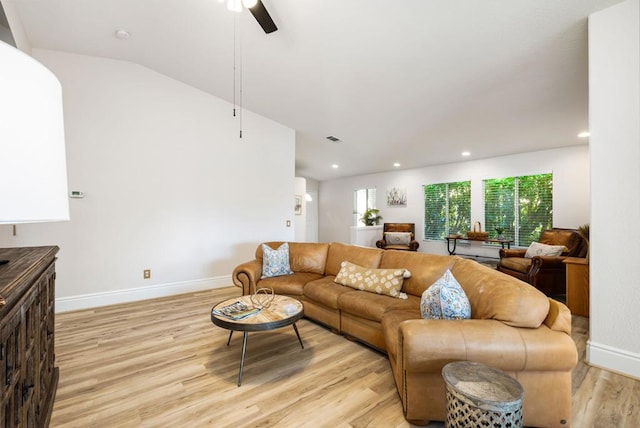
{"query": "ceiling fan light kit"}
pixel 257 9
pixel 249 3
pixel 261 15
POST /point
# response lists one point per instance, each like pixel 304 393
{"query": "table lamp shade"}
pixel 33 171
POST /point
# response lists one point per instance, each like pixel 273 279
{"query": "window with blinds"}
pixel 521 206
pixel 447 209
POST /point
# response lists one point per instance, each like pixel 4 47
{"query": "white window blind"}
pixel 447 209
pixel 521 206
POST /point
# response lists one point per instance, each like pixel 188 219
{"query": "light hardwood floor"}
pixel 162 363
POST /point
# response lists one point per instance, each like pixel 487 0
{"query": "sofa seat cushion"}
pixel 289 285
pixel 325 291
pixel 391 322
pixel 373 306
pixel 517 264
pixel 396 247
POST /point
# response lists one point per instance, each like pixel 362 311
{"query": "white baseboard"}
pixel 613 359
pixel 93 300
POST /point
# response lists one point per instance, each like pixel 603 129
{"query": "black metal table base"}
pixel 244 348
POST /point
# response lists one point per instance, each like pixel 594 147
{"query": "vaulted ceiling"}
pixel 414 81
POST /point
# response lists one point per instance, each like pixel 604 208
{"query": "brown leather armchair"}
pixel 394 237
pixel 546 273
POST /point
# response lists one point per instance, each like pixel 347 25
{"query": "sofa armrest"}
pixel 413 245
pixel 381 243
pixel 545 262
pixel 247 275
pixel 515 252
pixel 426 346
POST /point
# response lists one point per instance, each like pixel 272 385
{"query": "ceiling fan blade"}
pixel 262 16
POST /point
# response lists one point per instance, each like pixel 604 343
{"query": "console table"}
pixel 28 376
pixel 455 239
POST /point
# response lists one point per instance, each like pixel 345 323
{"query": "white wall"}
pixel 169 185
pixel 570 167
pixel 614 93
pixel 300 222
pixel 312 210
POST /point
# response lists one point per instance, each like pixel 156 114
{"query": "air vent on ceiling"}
pixel 334 139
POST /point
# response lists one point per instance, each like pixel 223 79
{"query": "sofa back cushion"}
pixel 498 296
pixel 569 238
pixel 361 256
pixel 425 268
pixel 305 257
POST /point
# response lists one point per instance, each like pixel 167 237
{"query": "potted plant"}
pixel 500 231
pixel 371 217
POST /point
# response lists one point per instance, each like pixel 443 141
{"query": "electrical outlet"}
pixel 146 274
pixel 288 223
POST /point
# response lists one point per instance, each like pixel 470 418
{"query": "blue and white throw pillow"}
pixel 275 262
pixel 445 299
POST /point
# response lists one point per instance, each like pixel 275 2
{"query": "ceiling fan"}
pixel 259 12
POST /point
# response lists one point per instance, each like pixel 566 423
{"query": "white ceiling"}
pixel 412 81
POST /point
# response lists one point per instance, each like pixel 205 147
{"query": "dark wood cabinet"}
pixel 28 375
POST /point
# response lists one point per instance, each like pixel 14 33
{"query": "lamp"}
pixel 33 172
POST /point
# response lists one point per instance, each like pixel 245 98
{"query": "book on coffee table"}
pixel 236 311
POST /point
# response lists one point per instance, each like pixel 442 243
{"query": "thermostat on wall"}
pixel 76 194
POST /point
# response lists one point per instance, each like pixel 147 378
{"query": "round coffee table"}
pixel 269 318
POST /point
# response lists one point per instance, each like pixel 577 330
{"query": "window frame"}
pixel 370 203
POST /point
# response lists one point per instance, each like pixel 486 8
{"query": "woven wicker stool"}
pixel 479 396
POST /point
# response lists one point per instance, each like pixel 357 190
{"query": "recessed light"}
pixel 334 166
pixel 396 164
pixel 466 153
pixel 122 34
pixel 584 134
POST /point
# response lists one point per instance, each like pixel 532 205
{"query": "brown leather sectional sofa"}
pixel 513 326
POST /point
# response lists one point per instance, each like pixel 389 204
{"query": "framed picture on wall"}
pixel 297 206
pixel 397 197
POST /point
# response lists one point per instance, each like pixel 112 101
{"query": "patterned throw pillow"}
pixel 275 262
pixel 445 299
pixel 397 238
pixel 380 281
pixel 538 249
